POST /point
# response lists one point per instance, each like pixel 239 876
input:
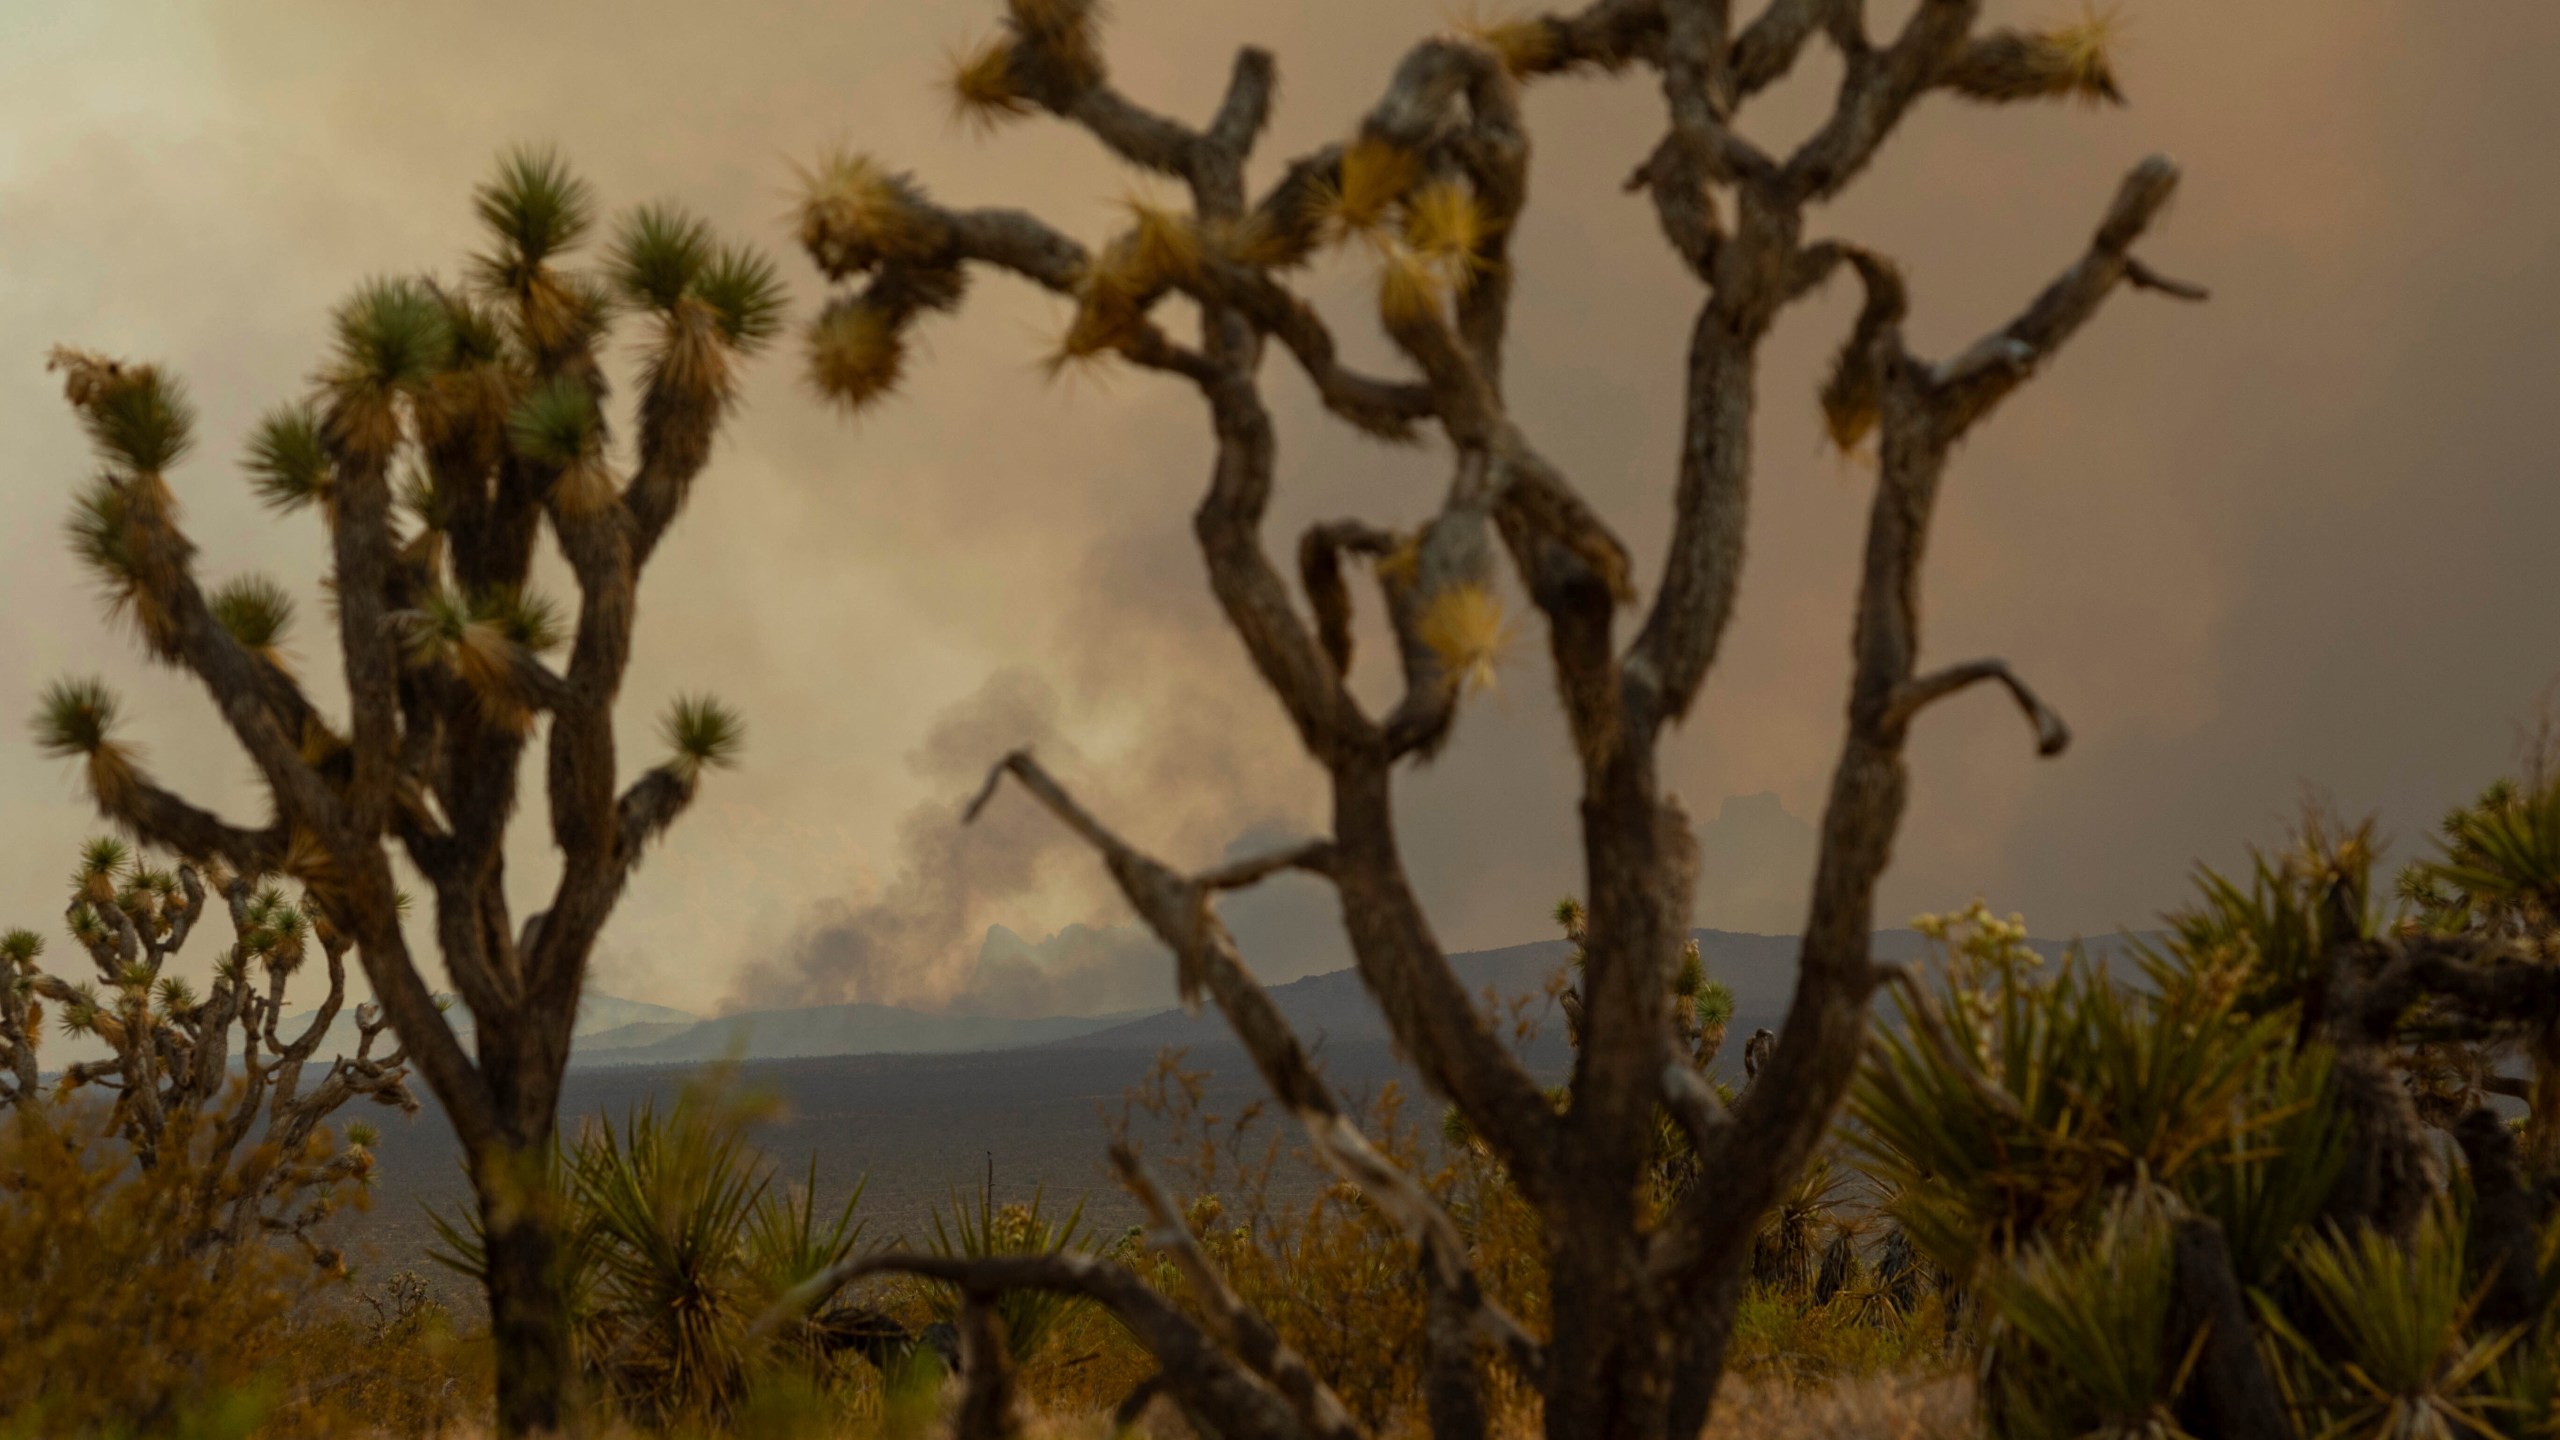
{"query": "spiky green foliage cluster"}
pixel 76 718
pixel 255 611
pixel 980 1226
pixel 2396 1351
pixel 482 639
pixel 2500 863
pixel 2037 1127
pixel 682 1235
pixel 393 335
pixel 2011 1104
pixel 288 462
pixel 665 256
pixel 537 209
pixel 557 424
pixel 703 733
pixel 145 420
pixel 276 932
pixel 2082 1330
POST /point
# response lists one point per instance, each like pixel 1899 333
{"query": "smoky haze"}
pixel 2293 536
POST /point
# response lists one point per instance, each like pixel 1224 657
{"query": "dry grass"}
pixel 125 1332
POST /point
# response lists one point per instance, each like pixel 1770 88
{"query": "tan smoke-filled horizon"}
pixel 2288 537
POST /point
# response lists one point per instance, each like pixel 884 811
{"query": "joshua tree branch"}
pixel 1211 1386
pixel 1919 694
pixel 1178 911
pixel 1817 1052
pixel 1970 385
pixel 1237 1327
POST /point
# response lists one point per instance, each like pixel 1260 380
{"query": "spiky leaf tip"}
pixel 1445 224
pixel 557 424
pixel 76 717
pixel 1714 1003
pixel 146 421
pixel 526 618
pixel 704 734
pixel 2080 55
pixel 394 334
pixel 856 354
pixel 99 536
pixel 21 947
pixel 1526 46
pixel 255 611
pixel 362 1136
pixel 176 996
pixel 744 291
pixel 535 206
pixel 103 857
pixel 1372 175
pixel 856 215
pixel 1411 288
pixel 1465 627
pixel 435 626
pixel 1167 243
pixel 983 92
pixel 658 255
pixel 288 462
pixel 479 336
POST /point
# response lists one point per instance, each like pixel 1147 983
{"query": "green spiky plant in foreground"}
pixel 2208 1202
pixel 171 1065
pixel 681 1235
pixel 448 428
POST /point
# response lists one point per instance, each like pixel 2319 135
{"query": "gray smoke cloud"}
pixel 2293 534
pixel 913 942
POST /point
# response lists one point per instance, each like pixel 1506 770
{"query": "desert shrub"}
pixel 115 1323
pixel 2011 1104
pixel 678 1241
pixel 2398 1352
pixel 2080 1333
pixel 985 1226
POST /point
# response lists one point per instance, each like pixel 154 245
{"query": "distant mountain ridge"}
pixel 1329 1008
pixel 856 1029
pixel 1336 1008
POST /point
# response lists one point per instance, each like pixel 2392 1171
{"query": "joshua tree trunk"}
pixel 492 397
pixel 528 1308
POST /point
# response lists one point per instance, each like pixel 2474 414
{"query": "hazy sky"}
pixel 2296 537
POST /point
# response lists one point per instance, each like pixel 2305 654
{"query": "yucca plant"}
pixel 668 1203
pixel 2010 1105
pixel 1791 1236
pixel 677 1241
pixel 982 1227
pixel 2080 1341
pixel 2397 1354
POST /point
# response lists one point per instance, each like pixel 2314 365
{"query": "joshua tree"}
pixel 172 1066
pixel 1432 182
pixel 478 410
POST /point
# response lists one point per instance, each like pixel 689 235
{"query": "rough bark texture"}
pixel 494 398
